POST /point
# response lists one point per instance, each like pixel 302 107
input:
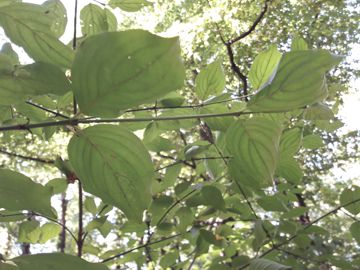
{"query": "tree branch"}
pixel 37 159
pixel 76 121
pixel 80 240
pixel 47 110
pixel 253 26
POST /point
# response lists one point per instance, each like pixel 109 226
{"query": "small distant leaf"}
pixel 186 217
pixel 192 151
pixel 299 44
pixel 11 216
pixel 57 12
pixel 132 68
pixel 263 67
pixel 355 231
pixel 253 145
pixel 312 141
pixel 299 81
pixel 210 81
pixel 28 26
pixel 212 196
pixel 18 192
pixel 129 5
pixel 49 231
pixel 8 51
pixel 264 264
pixel 95 19
pixel 260 235
pixel 55 261
pixel 113 164
pixel 90 205
pixel 350 195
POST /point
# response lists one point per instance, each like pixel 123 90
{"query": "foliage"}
pixel 216 147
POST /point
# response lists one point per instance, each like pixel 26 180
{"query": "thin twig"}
pixel 47 110
pixel 188 164
pixel 80 241
pixel 36 159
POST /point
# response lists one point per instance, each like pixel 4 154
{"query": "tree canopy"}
pixel 177 135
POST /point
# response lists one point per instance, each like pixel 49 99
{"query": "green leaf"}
pixel 132 68
pixel 95 223
pixel 299 81
pixel 312 141
pixel 57 12
pixel 55 261
pixel 299 44
pixel 18 192
pixel 212 196
pixel 186 217
pixel 355 231
pixel 11 216
pixel 264 264
pixel 113 164
pixel 290 142
pixel 8 2
pixel 271 203
pixel 253 145
pixel 172 99
pixel 350 195
pixel 319 111
pixel 49 231
pixel 260 235
pixel 29 231
pixel 28 26
pixel 95 20
pixel 289 169
pixel 129 5
pixel 31 80
pixel 169 259
pixel 58 185
pixel 263 67
pixel 210 81
pixel 89 204
pixel 8 51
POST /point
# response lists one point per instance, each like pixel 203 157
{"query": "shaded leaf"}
pixel 57 12
pixel 253 145
pixel 212 196
pixel 129 5
pixel 18 192
pixel 95 20
pixel 299 81
pixel 264 264
pixel 350 195
pixel 113 164
pixel 355 231
pixel 132 68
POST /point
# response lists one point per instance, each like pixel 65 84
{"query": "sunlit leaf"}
pixel 133 67
pixel 264 66
pixel 49 231
pixel 113 164
pixel 299 81
pixel 264 264
pixel 18 192
pixel 312 141
pixel 28 26
pixel 210 81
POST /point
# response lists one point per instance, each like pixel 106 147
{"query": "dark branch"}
pixel 253 26
pixel 37 159
pixel 47 110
